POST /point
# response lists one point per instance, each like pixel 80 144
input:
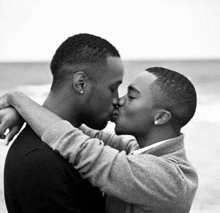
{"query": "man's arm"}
pixel 41 119
pixel 142 179
pixel 37 117
pixel 126 143
pixel 10 120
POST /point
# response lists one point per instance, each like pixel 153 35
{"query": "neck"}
pixel 67 111
pixel 157 134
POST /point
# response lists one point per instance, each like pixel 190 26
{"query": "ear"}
pixel 80 81
pixel 162 116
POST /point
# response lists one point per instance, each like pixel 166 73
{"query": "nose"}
pixel 121 101
pixel 115 100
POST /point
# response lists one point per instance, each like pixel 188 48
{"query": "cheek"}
pixel 132 109
pixel 137 118
pixel 106 101
pixel 136 115
pixel 102 102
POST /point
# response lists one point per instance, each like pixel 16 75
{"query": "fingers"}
pixel 2 136
pixel 3 129
pixel 13 131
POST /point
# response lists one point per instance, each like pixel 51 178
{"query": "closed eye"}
pixel 131 95
pixel 132 92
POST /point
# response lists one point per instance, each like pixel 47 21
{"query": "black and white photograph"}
pixel 110 106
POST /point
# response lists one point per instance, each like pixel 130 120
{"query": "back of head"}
pixel 175 93
pixel 78 50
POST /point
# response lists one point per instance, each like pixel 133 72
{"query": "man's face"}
pixel 135 113
pixel 104 94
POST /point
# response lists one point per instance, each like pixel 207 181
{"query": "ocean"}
pixel 202 134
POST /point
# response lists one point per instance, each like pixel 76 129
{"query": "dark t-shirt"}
pixel 36 179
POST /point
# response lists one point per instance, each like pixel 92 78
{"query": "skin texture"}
pixel 103 95
pixel 139 116
pixel 136 108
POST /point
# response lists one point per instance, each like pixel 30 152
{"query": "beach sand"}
pixel 202 134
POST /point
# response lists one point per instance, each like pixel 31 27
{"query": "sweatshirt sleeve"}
pixel 141 179
pixel 126 143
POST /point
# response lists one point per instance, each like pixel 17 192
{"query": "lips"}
pixel 114 115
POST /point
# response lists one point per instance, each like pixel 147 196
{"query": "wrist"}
pixel 14 98
pixel 9 102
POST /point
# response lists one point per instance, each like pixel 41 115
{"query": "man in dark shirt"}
pixel 87 71
pixel 39 180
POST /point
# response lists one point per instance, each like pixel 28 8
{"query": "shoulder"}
pixel 29 151
pixel 44 164
pixel 43 156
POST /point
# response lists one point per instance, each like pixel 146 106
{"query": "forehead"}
pixel 143 80
pixel 114 71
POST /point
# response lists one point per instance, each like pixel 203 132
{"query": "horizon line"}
pixel 125 59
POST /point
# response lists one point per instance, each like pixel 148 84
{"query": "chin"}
pixel 119 131
pixel 122 129
pixel 98 125
pixel 101 127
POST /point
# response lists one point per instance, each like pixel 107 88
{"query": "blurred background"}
pixel 182 35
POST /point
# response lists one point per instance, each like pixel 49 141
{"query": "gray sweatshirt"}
pixel 158 178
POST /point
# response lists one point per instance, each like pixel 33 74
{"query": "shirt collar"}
pixel 155 145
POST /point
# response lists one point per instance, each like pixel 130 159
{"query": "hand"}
pixel 4 101
pixel 9 119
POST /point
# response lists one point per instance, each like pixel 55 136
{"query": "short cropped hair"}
pixel 79 49
pixel 174 92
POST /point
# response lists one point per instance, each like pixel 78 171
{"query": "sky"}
pixel 32 30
